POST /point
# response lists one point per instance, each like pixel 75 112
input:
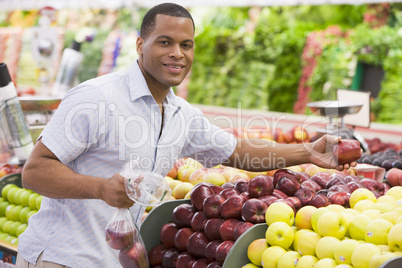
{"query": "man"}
pixel 124 117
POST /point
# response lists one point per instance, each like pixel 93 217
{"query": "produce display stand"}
pixel 8 252
pixel 162 214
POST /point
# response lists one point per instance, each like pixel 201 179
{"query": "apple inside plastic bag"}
pixel 145 187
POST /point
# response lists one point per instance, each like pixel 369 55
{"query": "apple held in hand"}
pixel 346 151
pixel 120 234
pixel 135 256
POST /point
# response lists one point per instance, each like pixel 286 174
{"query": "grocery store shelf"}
pixel 235 118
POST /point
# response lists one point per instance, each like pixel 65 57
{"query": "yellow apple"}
pixel 361 194
pixel 363 205
pixel 332 224
pixel 384 248
pixel 307 243
pixel 271 255
pixel 325 247
pixel 188 195
pixel 298 234
pixel 362 254
pixel 228 173
pixel 391 216
pixel 168 179
pixel 378 259
pixel 351 211
pixel 372 213
pixel 398 220
pixel 239 175
pixel 316 215
pixel 173 184
pixel 303 217
pixel 250 265
pixel 280 234
pixel 197 176
pixel 180 191
pixel 255 250
pixel 384 206
pixel 357 226
pixel 214 178
pixel 289 259
pixel 343 252
pixel 377 231
pixel 307 261
pixel 395 191
pixel 254 174
pixel 395 237
pixel 193 163
pixel 295 168
pixel 326 263
pixel 335 207
pixel 279 211
pixel 312 170
pixel 388 199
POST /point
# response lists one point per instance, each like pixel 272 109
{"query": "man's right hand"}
pixel 114 192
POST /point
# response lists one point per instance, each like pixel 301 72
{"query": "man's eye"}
pixel 164 42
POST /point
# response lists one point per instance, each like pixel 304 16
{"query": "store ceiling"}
pixel 59 4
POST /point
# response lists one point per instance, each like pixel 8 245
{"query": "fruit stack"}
pixel 364 235
pixel 17 205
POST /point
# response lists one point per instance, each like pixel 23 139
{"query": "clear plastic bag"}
pixel 123 235
pixel 144 187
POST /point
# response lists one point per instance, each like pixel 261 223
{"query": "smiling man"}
pixel 129 117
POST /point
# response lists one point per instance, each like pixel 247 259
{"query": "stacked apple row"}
pixel 17 205
pixel 365 235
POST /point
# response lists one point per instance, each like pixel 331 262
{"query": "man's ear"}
pixel 140 42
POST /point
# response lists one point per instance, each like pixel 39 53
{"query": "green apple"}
pixel 10 238
pixel 361 194
pixel 378 259
pixel 2 221
pixel 332 224
pixel 395 191
pixel 363 253
pixel 279 211
pixel 280 234
pixel 3 236
pixel 24 214
pixel 5 189
pixel 343 252
pixel 255 250
pixel 32 200
pixel 7 226
pixel 215 178
pixel 21 229
pixel 3 206
pixel 316 214
pixel 9 210
pixel 395 237
pixel 307 243
pixel 271 255
pixel 14 227
pixel 299 233
pixel 326 263
pixel 357 226
pixel 14 241
pixel 24 198
pixel 15 212
pixel 11 194
pixel 307 261
pixel 303 217
pixel 325 247
pixel 32 212
pixel 289 259
pixel 17 196
pixel 377 231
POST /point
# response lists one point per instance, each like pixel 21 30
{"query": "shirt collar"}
pixel 139 88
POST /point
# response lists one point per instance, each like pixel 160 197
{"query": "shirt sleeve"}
pixel 76 125
pixel 208 143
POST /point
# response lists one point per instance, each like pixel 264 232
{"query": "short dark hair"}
pixel 169 9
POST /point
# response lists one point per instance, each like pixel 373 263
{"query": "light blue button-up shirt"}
pixel 100 126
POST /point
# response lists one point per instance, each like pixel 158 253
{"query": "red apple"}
pixel 169 259
pixel 245 196
pixel 210 250
pixel 269 199
pixel 241 228
pixel 155 255
pixel 280 173
pixel 374 186
pixel 303 176
pixel 197 243
pixel 347 151
pixel 279 194
pixel 226 193
pixel 295 201
pixel 241 185
pixel 321 178
pixel 231 208
pixel 185 260
pixel 216 188
pixel 338 188
pixel 212 205
pixel 340 198
pixel 181 238
pixel 214 264
pixel 335 181
pixel 212 228
pixel 253 210
pixel 198 194
pixel 260 185
pixel 200 263
pixel 134 256
pixel 311 185
pixel 353 185
pixel 222 251
pixel 319 200
pixel 349 178
pixel 120 234
pixel 167 234
pixel 227 229
pixel 228 185
pixel 288 185
pixel 386 187
pixel 198 221
pixel 323 192
pixel 183 214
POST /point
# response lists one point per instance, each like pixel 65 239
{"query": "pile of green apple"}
pixel 365 235
pixel 17 205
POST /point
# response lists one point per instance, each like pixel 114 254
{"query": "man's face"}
pixel 166 55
